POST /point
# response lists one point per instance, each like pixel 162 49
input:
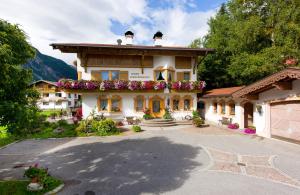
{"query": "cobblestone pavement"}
pixel 181 160
pixel 249 165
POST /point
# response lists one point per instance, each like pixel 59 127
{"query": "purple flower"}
pixel 249 131
pixel 134 85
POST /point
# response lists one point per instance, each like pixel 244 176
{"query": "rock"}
pixel 58 130
pixel 34 187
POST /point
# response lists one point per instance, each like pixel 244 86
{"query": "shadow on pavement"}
pixel 133 166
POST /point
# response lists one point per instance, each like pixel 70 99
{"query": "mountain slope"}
pixel 50 68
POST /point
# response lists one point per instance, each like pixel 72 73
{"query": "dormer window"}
pixel 159 75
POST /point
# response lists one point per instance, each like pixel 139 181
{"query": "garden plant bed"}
pixel 19 187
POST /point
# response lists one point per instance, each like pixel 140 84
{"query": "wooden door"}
pixel 248 114
pixel 157 106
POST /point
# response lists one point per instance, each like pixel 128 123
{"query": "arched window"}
pixel 175 103
pixel 222 107
pixel 103 103
pixel 116 103
pixel 231 106
pixel 187 102
pixel 139 103
pixel 215 107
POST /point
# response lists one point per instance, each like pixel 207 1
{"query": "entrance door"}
pixel 156 107
pixel 248 114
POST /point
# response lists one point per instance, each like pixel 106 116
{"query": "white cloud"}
pixel 47 21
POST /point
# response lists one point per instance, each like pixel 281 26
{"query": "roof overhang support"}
pixel 83 60
pixel 283 85
pixel 142 63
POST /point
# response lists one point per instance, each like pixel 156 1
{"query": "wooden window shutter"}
pixel 96 75
pixel 79 75
pixel 180 76
pixel 124 75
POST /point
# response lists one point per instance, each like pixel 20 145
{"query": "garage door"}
pixel 285 120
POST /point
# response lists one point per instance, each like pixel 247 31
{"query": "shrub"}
pixel 136 128
pixel 195 114
pixel 147 116
pixel 104 127
pixel 78 114
pixel 167 114
pixel 53 115
pixel 233 126
pixel 62 122
pixel 41 176
pixel 83 127
pixel 197 122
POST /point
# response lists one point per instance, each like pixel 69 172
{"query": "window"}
pixel 115 105
pixel 139 103
pixel 175 104
pixel 58 103
pixel 115 75
pixel 69 95
pixel 45 94
pixel 170 75
pixel 103 104
pixel 105 75
pixel 46 103
pixel 187 104
pixel 58 94
pixel 75 95
pixel 231 108
pixel 222 107
pixel 159 76
pixel 186 76
pixel 69 103
pixel 215 107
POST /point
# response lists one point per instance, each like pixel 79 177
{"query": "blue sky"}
pixel 105 21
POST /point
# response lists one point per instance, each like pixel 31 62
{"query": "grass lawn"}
pixel 5 138
pixel 49 112
pixel 47 130
pixel 18 187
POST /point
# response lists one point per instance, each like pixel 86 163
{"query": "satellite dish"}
pixel 119 41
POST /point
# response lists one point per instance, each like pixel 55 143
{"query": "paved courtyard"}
pixel 181 160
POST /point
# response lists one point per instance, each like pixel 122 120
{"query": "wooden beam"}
pixel 142 63
pixel 252 97
pixel 283 85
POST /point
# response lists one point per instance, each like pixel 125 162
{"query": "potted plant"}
pixel 36 176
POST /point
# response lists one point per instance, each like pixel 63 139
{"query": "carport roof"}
pixel 269 82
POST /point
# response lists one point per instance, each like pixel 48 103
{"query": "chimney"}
pixel 157 37
pixel 128 37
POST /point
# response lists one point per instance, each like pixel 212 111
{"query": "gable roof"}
pixel 268 82
pixel 130 49
pixel 44 81
pixel 221 92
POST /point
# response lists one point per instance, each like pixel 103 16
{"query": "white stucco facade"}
pixel 89 100
pixel 58 100
pixel 261 117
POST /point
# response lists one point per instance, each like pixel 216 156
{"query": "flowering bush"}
pixel 130 85
pixel 250 130
pixel 134 85
pixel 233 126
pixel 188 85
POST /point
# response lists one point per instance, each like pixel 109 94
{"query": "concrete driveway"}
pixel 182 160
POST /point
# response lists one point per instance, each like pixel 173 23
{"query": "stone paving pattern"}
pixel 257 166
